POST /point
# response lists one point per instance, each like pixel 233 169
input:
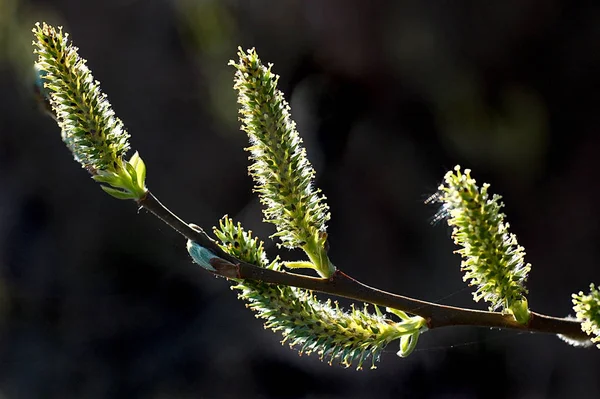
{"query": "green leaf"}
pixel 402 315
pixel 110 178
pixel 408 344
pixel 131 174
pixel 118 194
pixel 135 158
pixel 299 265
pixel 140 168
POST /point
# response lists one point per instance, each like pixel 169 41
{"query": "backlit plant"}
pixel 493 261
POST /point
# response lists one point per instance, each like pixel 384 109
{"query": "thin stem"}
pixel 340 284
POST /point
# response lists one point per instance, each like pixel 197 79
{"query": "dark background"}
pixel 99 301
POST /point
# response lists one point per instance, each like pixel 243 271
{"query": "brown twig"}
pixel 340 284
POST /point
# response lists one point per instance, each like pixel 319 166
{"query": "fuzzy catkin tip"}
pixel 587 308
pixel 310 325
pixel 493 261
pixel 283 176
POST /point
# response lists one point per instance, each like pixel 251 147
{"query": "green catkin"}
pixel 281 171
pixel 492 259
pixel 87 121
pixel 89 127
pixel 310 325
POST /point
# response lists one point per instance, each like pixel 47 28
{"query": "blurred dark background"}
pixel 99 301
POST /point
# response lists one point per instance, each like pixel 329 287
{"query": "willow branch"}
pixel 340 284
